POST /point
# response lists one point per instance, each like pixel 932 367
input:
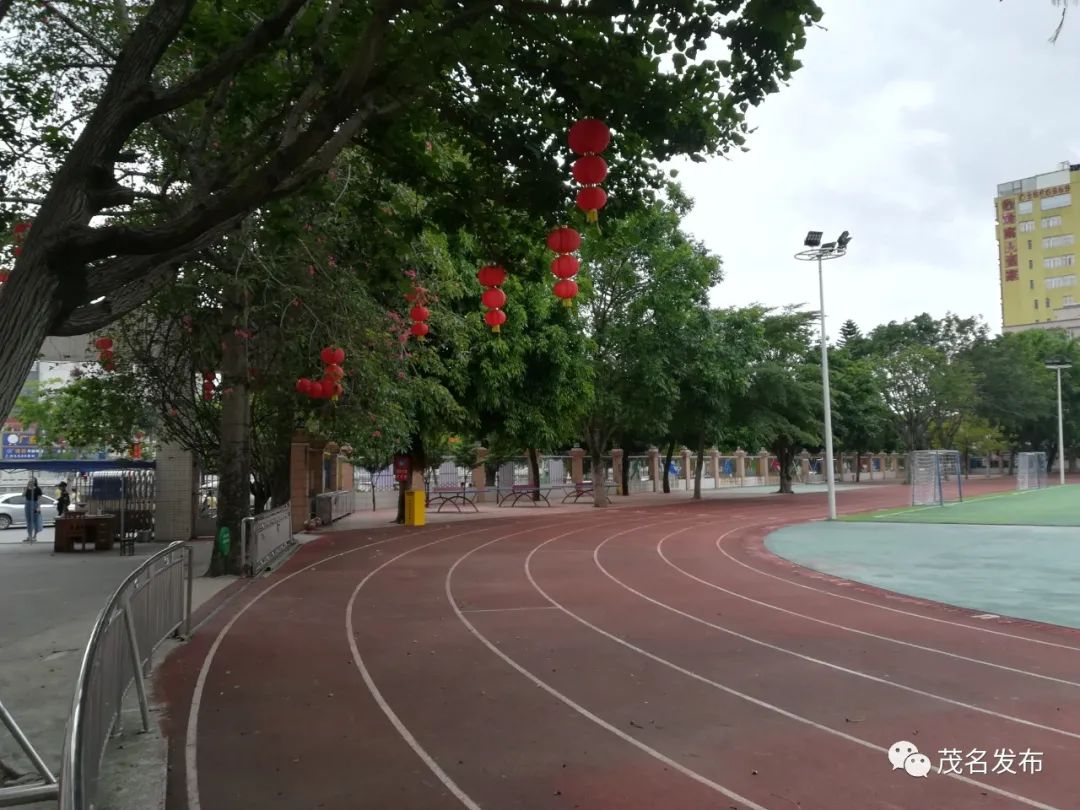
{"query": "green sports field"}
pixel 1055 506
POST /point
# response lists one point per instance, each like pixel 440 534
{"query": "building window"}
pixel 1060 201
pixel 1068 301
pixel 1048 303
pixel 1036 302
pixel 1024 207
pixel 1056 282
pixel 1031 264
pixel 1029 244
pixel 1027 226
pixel 1031 284
pixel 1051 222
pixel 1064 240
pixel 1059 261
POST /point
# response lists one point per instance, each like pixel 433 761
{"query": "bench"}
pixel 578 491
pixel 519 491
pixel 455 496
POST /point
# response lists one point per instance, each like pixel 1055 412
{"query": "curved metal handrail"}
pixel 73 788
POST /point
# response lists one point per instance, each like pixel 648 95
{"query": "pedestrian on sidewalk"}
pixel 63 499
pixel 32 510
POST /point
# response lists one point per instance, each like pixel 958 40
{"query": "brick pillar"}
pixel 763 465
pixel 616 468
pixel 687 478
pixel 299 481
pixel 654 467
pixel 740 465
pixel 333 481
pixel 804 465
pixel 714 465
pixel 577 465
pixel 479 475
pixel 894 464
pixel 175 494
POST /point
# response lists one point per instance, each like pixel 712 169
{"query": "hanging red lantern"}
pixel 337 391
pixel 302 385
pixel 494 318
pixel 566 289
pixel 327 356
pixel 103 343
pixel 315 389
pixel 4 276
pixel 564 240
pixel 419 313
pixel 21 228
pixel 565 266
pixel 339 356
pixel 334 371
pixel 590 200
pixel 589 170
pixel 491 276
pixel 493 298
pixel 589 136
pixel 419 329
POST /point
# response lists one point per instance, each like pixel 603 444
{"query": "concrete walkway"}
pixel 1025 572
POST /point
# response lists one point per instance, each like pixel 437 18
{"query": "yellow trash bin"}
pixel 415 505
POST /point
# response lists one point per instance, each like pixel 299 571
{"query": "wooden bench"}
pixel 455 496
pixel 519 491
pixel 578 491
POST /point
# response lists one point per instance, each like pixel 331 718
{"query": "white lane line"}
pixel 507 609
pixel 391 715
pixel 868 634
pixel 828 664
pixel 191 736
pixel 902 612
pixel 756 701
pixel 622 735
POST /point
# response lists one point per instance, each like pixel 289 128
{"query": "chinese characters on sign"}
pixel 1008 205
pixel 1053 191
pixel 1008 219
pixel 1010 232
pixel 1012 275
pixel 1003 761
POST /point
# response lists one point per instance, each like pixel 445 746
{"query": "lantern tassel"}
pixel 495 328
pixel 592 215
pixel 566 302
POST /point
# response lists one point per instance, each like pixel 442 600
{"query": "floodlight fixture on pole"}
pixel 820 253
pixel 1058 365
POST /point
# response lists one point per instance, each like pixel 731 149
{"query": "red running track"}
pixel 638 658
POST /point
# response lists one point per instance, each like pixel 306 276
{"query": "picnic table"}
pixel 519 491
pixel 455 496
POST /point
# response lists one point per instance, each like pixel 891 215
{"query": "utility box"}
pixel 415 506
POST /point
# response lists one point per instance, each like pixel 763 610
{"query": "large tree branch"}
pixel 129 297
pixel 97 42
pixel 229 62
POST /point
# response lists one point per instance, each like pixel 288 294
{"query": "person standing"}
pixel 63 499
pixel 32 509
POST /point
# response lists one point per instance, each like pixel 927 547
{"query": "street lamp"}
pixel 1058 366
pixel 815 251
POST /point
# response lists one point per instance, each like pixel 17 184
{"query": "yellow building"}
pixel 1037 227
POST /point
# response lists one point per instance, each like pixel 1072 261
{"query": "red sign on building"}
pixel 1010 232
pixel 1008 219
pixel 1012 275
pixel 1008 205
pixel 1011 260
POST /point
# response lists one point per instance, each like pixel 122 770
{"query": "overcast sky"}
pixel 903 120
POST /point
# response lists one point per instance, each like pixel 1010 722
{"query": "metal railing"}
pixel 45 790
pixel 329 506
pixel 264 537
pixel 153 603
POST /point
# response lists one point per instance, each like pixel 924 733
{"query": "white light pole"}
pixel 820 253
pixel 1061 422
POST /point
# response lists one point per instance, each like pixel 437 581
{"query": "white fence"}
pixel 331 506
pixel 264 538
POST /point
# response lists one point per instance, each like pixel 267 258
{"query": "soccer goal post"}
pixel 1030 470
pixel 936 477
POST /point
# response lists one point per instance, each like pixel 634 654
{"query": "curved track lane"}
pixel 628 658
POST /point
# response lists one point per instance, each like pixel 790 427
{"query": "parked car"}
pixel 12 512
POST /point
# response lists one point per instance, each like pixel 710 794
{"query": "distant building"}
pixel 1037 226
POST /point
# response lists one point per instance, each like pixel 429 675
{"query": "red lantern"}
pixel 17 251
pixel 339 356
pixel 419 313
pixel 589 136
pixel 3 277
pixel 564 240
pixel 106 354
pixel 315 390
pixel 589 170
pixel 590 200
pixel 302 385
pixel 21 228
pixel 337 391
pixel 491 276
pixel 566 290
pixel 334 371
pixel 565 266
pixel 327 356
pixel 494 318
pixel 419 329
pixel 103 343
pixel 493 298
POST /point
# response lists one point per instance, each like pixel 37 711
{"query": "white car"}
pixel 13 513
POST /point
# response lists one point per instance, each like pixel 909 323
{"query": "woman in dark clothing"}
pixel 63 501
pixel 32 509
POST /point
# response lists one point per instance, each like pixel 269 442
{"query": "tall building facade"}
pixel 1037 229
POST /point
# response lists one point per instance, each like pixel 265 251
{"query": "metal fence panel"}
pixel 266 536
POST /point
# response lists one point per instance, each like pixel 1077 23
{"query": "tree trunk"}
pixel 234 482
pixel 858 466
pixel 700 467
pixel 400 518
pixel 626 474
pixel 281 477
pixel 534 472
pixel 785 457
pixel 667 465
